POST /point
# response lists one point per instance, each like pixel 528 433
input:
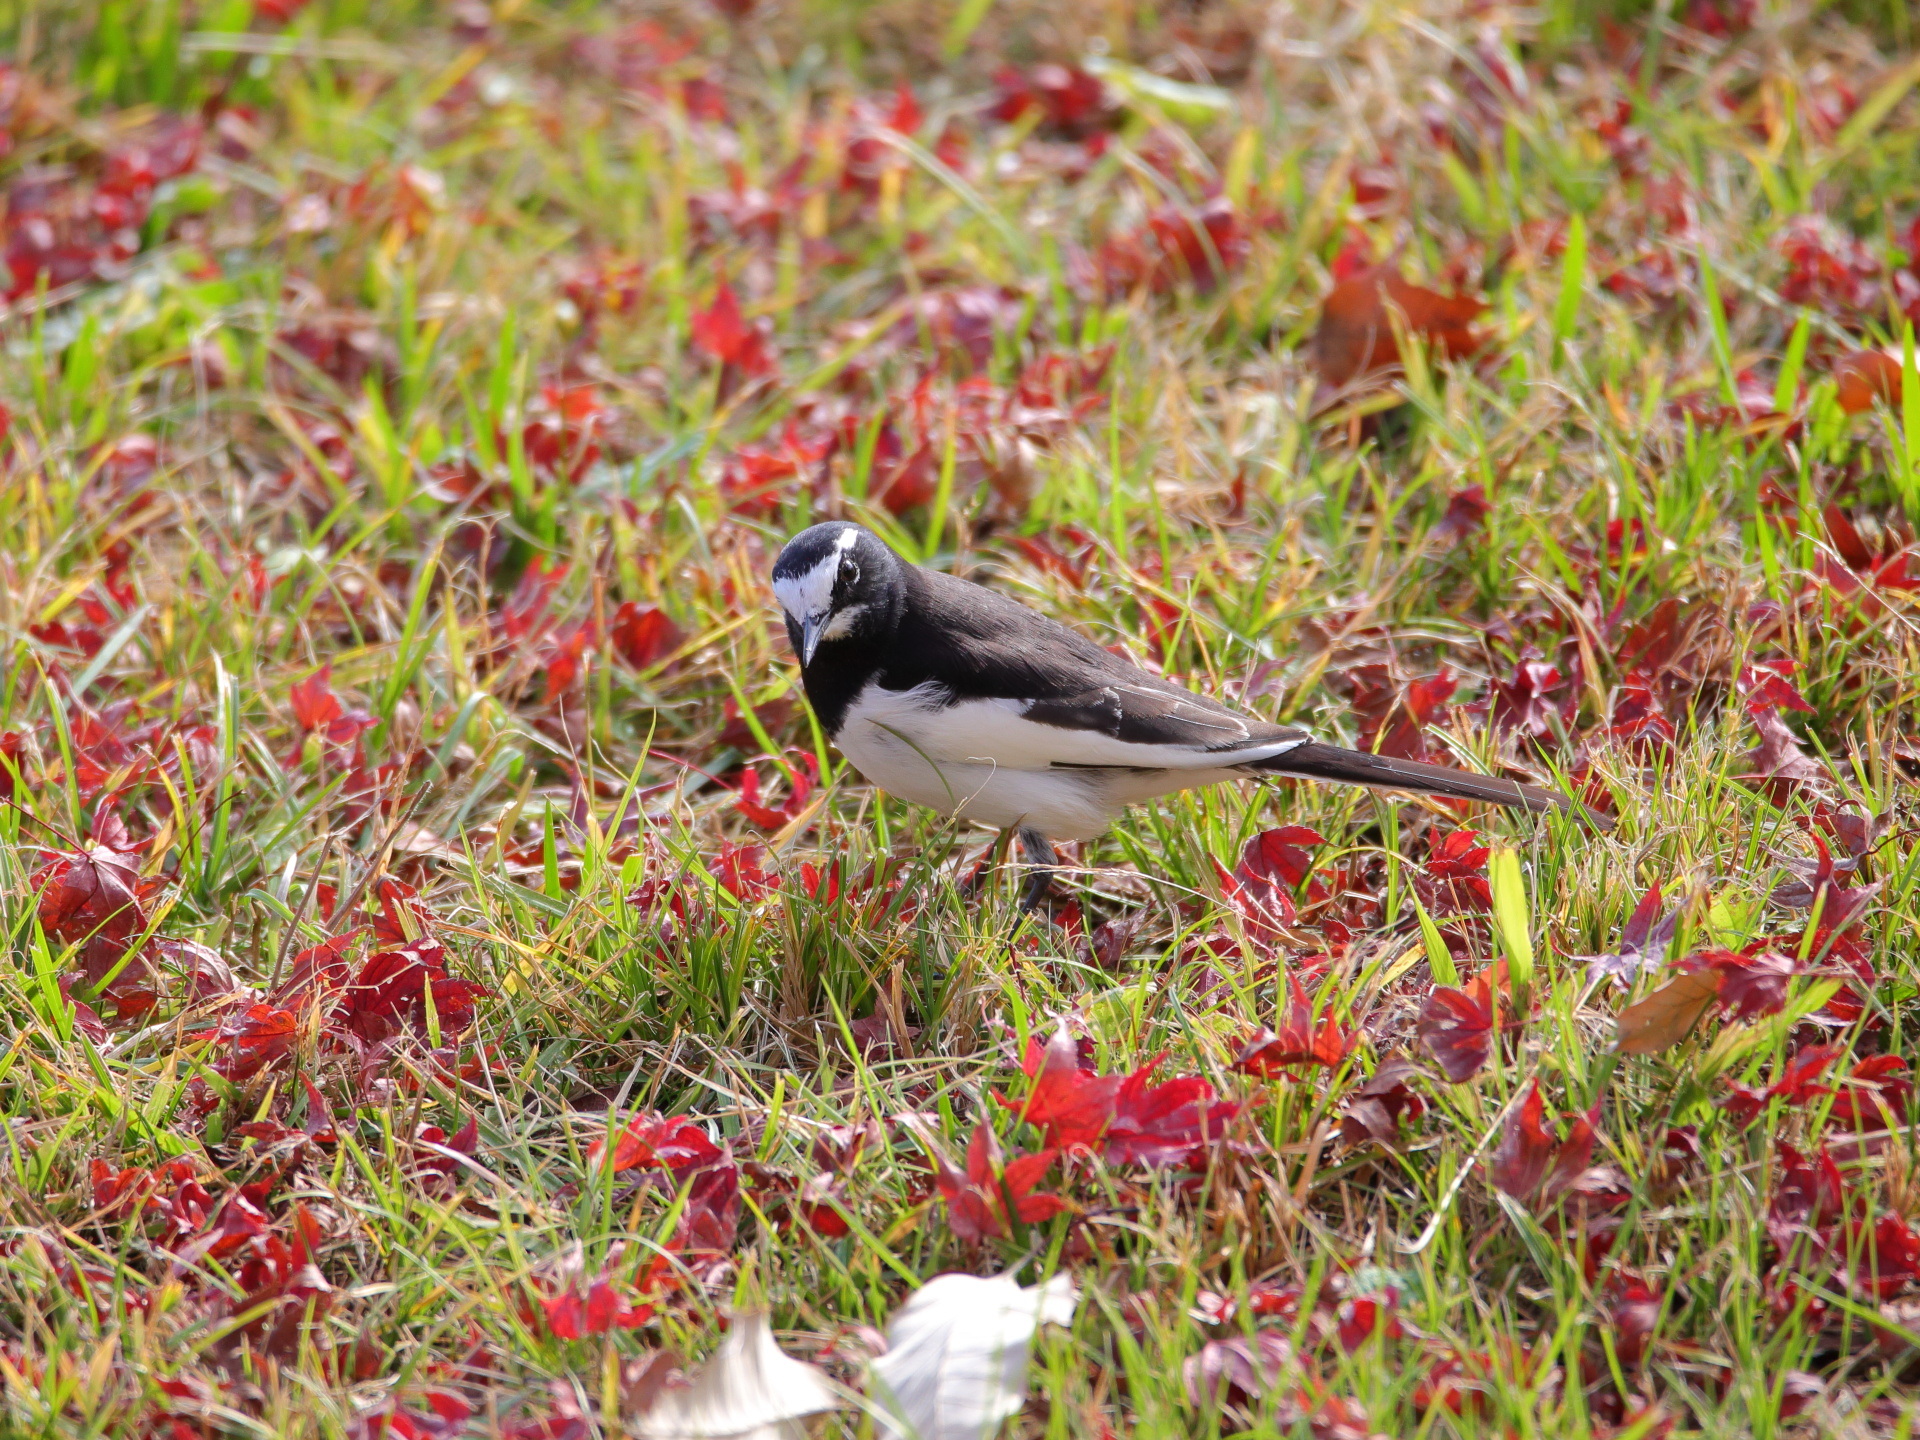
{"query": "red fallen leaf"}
pixel 1362 1318
pixel 643 637
pixel 1534 1165
pixel 741 872
pixel 404 916
pixel 1882 1260
pixel 1866 376
pixel 1197 246
pixel 1355 340
pixel 1073 102
pixel 723 333
pixel 317 971
pixel 1808 1194
pixel 1393 717
pixel 392 991
pixel 1279 857
pixel 1795 1085
pixel 978 1201
pixel 658 1143
pixel 1749 983
pixel 806 774
pixel 710 1214
pixel 877 1037
pixel 314 703
pixel 1265 910
pixel 1299 1042
pixel 1457 1026
pixel 1847 539
pixel 1236 1370
pixel 1778 761
pixel 1467 511
pixel 758 479
pixel 1523 702
pixel 1526 1148
pixel 1643 939
pixel 1126 1118
pixel 1633 1310
pixel 524 616
pixel 1373 1112
pixel 98 894
pixel 608 1304
pixel 1453 881
pixel 903 483
pixel 257 1037
pixel 562 435
pixel 1768 685
pixel 1874 1096
pixel 1110 940
pixel 319 1126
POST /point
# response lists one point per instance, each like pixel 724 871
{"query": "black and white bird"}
pixel 960 699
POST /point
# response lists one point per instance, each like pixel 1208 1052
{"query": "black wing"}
pixel 976 643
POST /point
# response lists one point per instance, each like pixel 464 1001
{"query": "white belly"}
pixel 906 743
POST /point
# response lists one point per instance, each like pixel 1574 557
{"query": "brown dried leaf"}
pixel 1663 1019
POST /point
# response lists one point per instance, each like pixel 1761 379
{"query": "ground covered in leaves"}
pixel 452 985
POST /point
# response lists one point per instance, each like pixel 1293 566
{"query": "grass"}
pixel 403 378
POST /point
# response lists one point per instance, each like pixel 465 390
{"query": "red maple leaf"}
pixel 1874 1096
pixel 394 988
pixel 804 776
pixel 1299 1041
pixel 658 1142
pixel 1633 1309
pixel 314 703
pixel 1768 685
pixel 95 895
pixel 643 637
pixel 1374 1111
pixel 722 332
pixel 1796 1085
pixel 1126 1118
pixel 1808 1195
pixel 1883 1258
pixel 1279 857
pixel 1752 982
pixel 1866 376
pixel 1531 1163
pixel 1457 1026
pixel 684 1158
pixel 609 1303
pixel 1453 881
pixel 979 1201
pixel 742 872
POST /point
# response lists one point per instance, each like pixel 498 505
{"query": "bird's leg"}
pixel 1038 852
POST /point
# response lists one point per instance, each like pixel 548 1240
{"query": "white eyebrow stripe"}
pixel 849 537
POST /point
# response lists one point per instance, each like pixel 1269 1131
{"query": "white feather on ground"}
pixel 956 1361
pixel 749 1389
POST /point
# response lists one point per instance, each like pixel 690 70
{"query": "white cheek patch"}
pixel 810 594
pixel 843 623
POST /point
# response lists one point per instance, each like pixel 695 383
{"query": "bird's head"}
pixel 837 582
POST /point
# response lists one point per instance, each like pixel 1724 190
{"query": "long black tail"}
pixel 1315 761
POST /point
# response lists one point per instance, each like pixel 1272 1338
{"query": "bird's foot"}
pixel 1038 853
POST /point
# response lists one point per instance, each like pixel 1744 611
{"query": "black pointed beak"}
pixel 811 630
